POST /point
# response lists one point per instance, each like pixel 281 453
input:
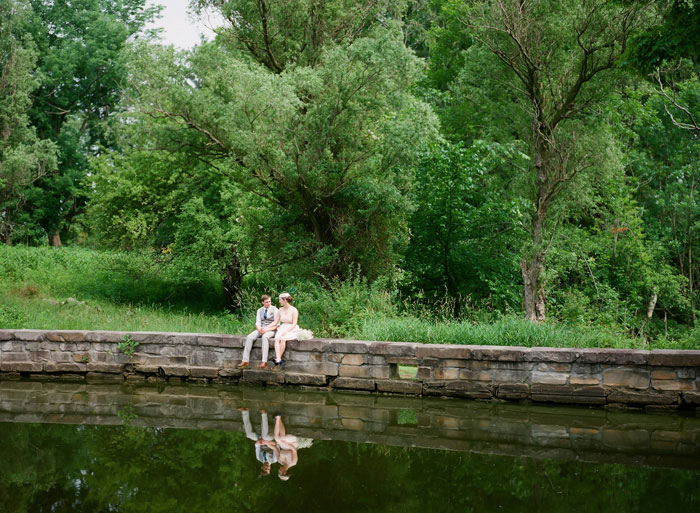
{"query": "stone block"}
pixel 7 356
pixel 114 368
pixel 643 398
pixel 177 350
pixel 629 378
pixel 663 374
pixel 83 357
pixel 453 362
pixel 318 345
pixel 353 359
pixel 183 340
pixel 380 371
pixel 175 370
pixel 103 377
pixel 513 391
pixel 230 372
pixel 135 378
pixel 353 383
pixel 297 356
pixel 335 358
pixel 64 367
pixel 377 360
pixel 29 335
pixel 584 380
pixel 113 337
pixel 509 376
pixel 549 378
pixel 402 360
pixel 424 373
pixel 475 375
pixel 150 337
pixel 262 376
pixel 355 371
pixel 40 355
pixel 349 346
pixel 74 336
pixel 669 358
pixel 396 386
pixel 320 368
pixel 443 351
pixel 446 373
pixel 392 348
pixel 691 397
pixel 614 356
pixel 147 369
pixel 220 341
pixel 6 335
pixel 430 362
pixel 673 384
pixel 553 367
pixel 204 372
pixel 206 359
pixel 687 373
pixel 304 379
pixel 468 389
pixel 553 354
pixel 21 367
pixel 157 360
pixel 500 353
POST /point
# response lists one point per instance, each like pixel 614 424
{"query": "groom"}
pixel 266 326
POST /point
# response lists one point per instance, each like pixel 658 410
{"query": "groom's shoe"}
pixel 243 365
pixel 263 365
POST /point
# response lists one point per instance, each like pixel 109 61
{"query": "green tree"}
pixel 82 65
pixel 554 55
pixel 465 223
pixel 320 145
pixel 24 157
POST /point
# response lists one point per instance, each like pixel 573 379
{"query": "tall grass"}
pixel 507 331
pixel 137 292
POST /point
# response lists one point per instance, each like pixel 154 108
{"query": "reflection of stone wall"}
pixel 652 379
pixel 521 430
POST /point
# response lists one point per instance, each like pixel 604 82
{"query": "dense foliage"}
pixel 447 161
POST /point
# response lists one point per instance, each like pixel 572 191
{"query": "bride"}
pixel 287 328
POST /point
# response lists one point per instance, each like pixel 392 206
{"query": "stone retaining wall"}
pixel 627 378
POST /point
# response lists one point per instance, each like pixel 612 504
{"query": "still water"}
pixel 88 448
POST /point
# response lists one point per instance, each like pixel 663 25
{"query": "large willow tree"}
pixel 306 107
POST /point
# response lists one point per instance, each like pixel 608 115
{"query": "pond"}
pixel 110 448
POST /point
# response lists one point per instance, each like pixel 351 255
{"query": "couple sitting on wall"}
pixel 280 323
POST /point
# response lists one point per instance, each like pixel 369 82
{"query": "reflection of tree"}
pixel 62 468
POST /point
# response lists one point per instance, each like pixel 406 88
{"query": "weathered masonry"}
pixel 653 379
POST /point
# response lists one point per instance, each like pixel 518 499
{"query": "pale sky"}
pixel 181 28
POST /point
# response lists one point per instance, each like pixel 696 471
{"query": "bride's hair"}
pixel 287 297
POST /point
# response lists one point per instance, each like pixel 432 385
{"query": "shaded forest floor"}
pixel 78 288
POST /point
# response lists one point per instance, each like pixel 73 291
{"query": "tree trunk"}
pixel 532 267
pixel 233 282
pixel 533 288
pixel 55 239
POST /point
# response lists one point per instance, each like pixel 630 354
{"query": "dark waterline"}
pixel 75 447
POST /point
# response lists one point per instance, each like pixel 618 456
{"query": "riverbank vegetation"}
pixel 440 171
pixel 84 289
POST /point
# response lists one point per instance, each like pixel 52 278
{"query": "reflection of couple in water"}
pixel 280 448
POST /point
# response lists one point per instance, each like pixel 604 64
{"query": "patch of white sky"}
pixel 182 28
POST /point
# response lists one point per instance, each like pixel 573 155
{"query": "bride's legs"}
pixel 280 346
